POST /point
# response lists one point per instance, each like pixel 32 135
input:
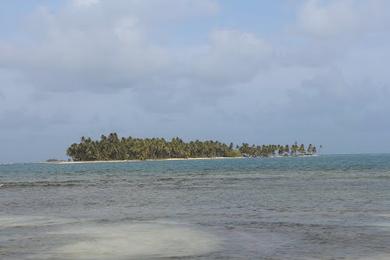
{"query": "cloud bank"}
pixel 158 68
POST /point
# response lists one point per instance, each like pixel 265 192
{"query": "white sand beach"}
pixel 128 161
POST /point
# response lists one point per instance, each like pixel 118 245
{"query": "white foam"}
pixel 133 241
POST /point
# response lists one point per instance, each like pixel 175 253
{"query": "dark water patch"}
pixel 42 184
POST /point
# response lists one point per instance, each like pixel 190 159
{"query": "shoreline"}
pixel 170 159
pixel 147 160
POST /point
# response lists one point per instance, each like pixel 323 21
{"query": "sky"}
pixel 255 71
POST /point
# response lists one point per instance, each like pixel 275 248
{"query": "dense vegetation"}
pixel 112 147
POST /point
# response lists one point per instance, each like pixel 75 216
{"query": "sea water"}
pixel 323 207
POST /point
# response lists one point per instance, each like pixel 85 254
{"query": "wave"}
pixel 42 184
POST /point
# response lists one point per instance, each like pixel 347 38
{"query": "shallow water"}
pixel 325 207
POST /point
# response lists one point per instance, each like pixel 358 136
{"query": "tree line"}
pixel 112 147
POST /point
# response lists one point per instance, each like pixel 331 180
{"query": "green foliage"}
pixel 112 147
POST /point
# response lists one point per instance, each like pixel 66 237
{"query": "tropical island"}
pixel 114 148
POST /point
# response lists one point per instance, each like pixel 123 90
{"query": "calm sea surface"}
pixel 324 207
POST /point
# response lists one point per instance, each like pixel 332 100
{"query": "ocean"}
pixel 321 207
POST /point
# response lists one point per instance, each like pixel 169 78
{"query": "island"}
pixel 114 148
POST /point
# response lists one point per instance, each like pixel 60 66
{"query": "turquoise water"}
pixel 324 207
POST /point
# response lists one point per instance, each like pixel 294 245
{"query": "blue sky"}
pixel 311 71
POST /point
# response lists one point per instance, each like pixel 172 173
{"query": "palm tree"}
pixel 112 147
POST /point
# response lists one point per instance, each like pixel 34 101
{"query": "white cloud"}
pixel 231 57
pixel 85 3
pixel 343 18
pixel 78 51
